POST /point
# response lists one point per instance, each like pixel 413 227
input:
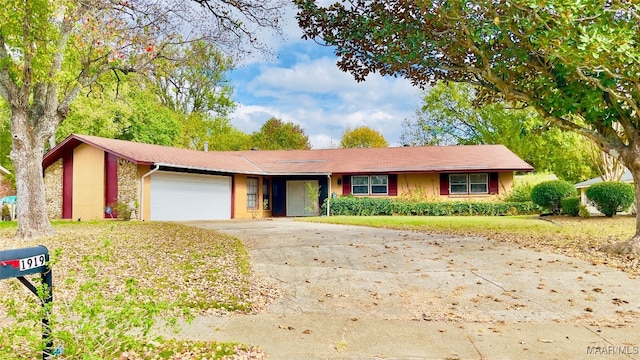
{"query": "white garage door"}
pixel 180 196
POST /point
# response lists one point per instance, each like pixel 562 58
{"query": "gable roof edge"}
pixel 72 142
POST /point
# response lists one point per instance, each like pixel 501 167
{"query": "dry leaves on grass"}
pixel 113 266
pixel 192 268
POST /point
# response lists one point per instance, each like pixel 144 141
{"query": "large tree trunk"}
pixel 27 152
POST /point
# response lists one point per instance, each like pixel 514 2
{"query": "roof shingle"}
pixel 467 158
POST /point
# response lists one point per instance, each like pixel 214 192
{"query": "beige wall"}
pixel 240 199
pixel 505 183
pixel 426 187
pixel 145 200
pixel 88 183
pixel 419 186
pixel 335 188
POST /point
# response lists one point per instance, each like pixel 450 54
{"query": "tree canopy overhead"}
pixel 51 50
pixel 577 63
pixel 448 116
pixel 362 137
pixel 276 134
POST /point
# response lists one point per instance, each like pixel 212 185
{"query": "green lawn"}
pixel 598 227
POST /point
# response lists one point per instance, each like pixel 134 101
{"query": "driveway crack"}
pixel 488 280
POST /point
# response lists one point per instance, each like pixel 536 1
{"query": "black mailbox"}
pixel 18 263
pixel 21 262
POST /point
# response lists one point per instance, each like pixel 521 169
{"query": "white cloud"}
pixel 306 87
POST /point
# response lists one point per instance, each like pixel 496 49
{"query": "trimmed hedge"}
pixel 549 194
pixel 570 206
pixel 358 206
pixel 611 197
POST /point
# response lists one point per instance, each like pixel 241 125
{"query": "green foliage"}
pixel 483 208
pixel 362 137
pixel 611 197
pixel 583 212
pixel 521 192
pixel 150 122
pixel 5 137
pixel 198 128
pixel 192 79
pixel 276 134
pixel 124 209
pixel 570 206
pixel 548 194
pixel 574 62
pixel 313 194
pixel 360 206
pixel 450 116
pixel 367 206
pixel 53 50
pixel 6 213
pixel 88 325
pixel 137 115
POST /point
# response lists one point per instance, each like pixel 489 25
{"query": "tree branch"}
pixel 8 88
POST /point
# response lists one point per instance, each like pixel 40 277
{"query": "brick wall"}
pixel 128 190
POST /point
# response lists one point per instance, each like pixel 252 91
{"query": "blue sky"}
pixel 304 86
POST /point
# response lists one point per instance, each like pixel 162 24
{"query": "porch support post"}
pixel 328 194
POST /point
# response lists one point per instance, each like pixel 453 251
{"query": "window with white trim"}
pixel 252 193
pixel 469 183
pixel 370 185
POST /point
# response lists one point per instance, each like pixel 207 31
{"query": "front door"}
pixel 302 198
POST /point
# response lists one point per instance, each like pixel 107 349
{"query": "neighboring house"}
pixel 6 187
pixel 85 174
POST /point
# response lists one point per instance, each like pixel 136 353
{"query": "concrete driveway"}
pixel 362 293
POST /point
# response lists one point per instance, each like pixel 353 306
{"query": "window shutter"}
pixel 444 184
pixel 346 185
pixel 393 185
pixel 111 179
pixel 493 183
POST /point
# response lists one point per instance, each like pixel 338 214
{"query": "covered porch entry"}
pixel 298 196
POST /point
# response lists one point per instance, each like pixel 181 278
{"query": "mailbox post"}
pixel 19 263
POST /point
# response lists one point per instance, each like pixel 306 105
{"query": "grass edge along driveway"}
pixel 571 236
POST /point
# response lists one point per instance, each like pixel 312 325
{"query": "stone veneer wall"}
pixel 53 189
pixel 128 190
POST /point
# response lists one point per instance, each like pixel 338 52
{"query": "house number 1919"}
pixel 32 262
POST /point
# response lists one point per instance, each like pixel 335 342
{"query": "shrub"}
pixel 611 197
pixel 124 209
pixel 548 194
pixel 520 193
pixel 570 206
pixel 357 206
pixel 583 212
